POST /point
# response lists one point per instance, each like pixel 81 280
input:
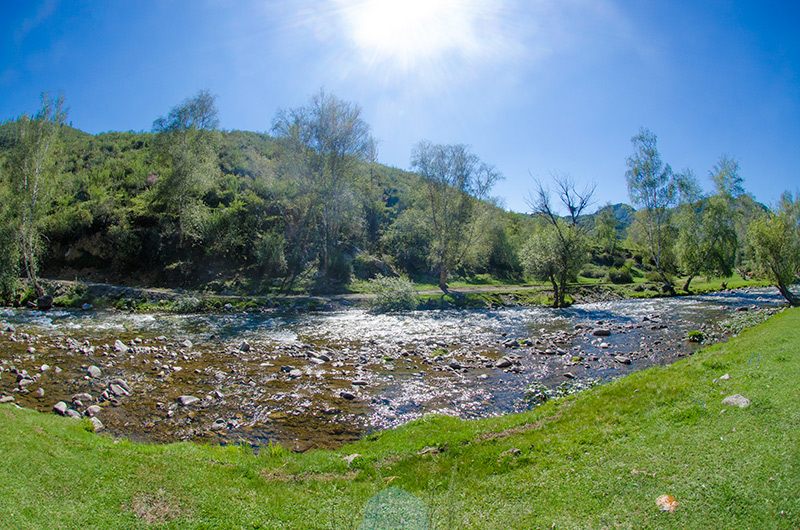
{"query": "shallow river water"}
pixel 319 379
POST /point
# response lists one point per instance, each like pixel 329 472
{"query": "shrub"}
pixel 695 336
pixel 392 294
pixel 592 271
pixel 622 275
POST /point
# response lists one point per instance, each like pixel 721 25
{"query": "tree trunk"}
pixel 688 281
pixel 793 300
pixel 668 284
pixel 443 279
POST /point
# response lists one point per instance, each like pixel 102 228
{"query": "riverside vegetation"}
pixel 310 210
pixel 599 459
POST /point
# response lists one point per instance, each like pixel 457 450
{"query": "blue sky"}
pixel 535 87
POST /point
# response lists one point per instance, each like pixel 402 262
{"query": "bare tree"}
pixel 559 251
pixel 456 180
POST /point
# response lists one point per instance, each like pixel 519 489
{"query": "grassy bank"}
pixel 596 460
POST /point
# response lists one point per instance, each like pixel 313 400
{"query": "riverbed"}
pixel 320 379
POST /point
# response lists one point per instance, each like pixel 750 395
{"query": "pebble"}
pixel 601 332
pixel 98 425
pixel 188 400
pixel 7 399
pixel 120 346
pixel 622 359
pixel 93 411
pixel 60 408
pixel 94 372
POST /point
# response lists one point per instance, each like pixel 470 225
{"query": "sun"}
pixel 409 32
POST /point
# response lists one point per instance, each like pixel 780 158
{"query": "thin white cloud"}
pixel 43 12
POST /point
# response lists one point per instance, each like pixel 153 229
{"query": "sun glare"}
pixel 409 32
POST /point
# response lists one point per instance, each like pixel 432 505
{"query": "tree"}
pixel 653 187
pixel 775 240
pixel 606 228
pixel 559 250
pixel 327 143
pixel 32 170
pixel 455 181
pixel 187 141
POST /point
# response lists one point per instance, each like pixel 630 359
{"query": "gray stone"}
pixel 359 382
pixel 7 399
pixel 124 384
pixel 94 371
pixel 44 368
pixel 118 390
pixel 186 344
pixel 725 377
pixel 60 408
pixel 219 425
pixel 93 411
pixel 120 346
pixel 347 395
pixel 503 363
pixel 737 400
pixel 74 414
pixel 98 425
pixel 83 398
pixel 188 400
pixel 87 307
pixel 454 364
pixel 244 346
pixel 601 332
pixel 622 359
pixel 295 373
pixel 39 392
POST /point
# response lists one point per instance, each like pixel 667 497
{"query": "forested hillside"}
pixel 308 207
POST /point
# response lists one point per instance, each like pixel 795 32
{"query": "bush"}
pixel 392 294
pixel 592 271
pixel 618 276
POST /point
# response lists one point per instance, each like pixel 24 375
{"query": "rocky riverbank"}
pixel 324 380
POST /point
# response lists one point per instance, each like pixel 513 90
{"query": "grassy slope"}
pixel 597 460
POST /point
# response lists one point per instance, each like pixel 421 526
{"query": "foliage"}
pixel 392 294
pixel 455 181
pixel 653 187
pixel 775 240
pixel 32 168
pixel 187 142
pixel 326 143
pixel 560 253
pixel 620 276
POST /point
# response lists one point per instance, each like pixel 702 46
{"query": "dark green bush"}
pixel 619 276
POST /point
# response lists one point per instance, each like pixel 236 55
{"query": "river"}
pixel 320 379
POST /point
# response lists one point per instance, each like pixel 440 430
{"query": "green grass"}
pixel 596 460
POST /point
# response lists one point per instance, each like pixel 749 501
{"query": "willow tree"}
pixel 328 142
pixel 32 169
pixel 707 240
pixel 187 141
pixel 455 181
pixel 775 240
pixel 653 188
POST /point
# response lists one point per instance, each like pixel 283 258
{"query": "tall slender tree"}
pixel 652 187
pixel 32 170
pixel 455 181
pixel 328 141
pixel 188 142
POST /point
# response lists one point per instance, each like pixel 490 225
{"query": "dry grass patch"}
pixel 156 508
